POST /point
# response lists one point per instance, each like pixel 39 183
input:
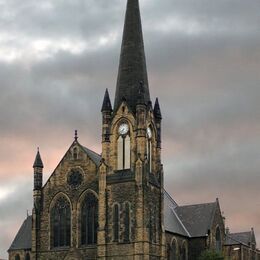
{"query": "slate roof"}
pixel 23 239
pixel 240 238
pixel 95 157
pixel 172 223
pixel 198 218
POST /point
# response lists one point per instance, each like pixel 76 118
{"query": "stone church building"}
pixel 113 205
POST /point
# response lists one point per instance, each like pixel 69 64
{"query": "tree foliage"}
pixel 210 255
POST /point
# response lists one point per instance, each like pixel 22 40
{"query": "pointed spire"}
pixel 157 110
pixel 132 65
pixel 38 160
pixel 106 103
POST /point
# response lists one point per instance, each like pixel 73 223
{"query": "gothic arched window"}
pixel 61 223
pixel 116 222
pixel 149 148
pixel 218 240
pixel 17 257
pixel 123 147
pixel 173 250
pixel 184 251
pixel 127 220
pixel 89 220
pixel 75 153
pixel 27 256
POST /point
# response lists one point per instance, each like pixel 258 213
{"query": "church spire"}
pixel 132 65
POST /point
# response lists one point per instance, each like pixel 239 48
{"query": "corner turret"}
pixel 38 166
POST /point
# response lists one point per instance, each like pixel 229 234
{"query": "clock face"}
pixel 149 132
pixel 123 129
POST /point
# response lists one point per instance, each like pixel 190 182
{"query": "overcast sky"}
pixel 203 57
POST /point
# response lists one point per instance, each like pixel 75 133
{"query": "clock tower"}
pixel 131 175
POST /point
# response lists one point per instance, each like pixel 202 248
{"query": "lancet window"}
pixel 89 220
pixel 61 223
pixel 123 147
pixel 218 240
pixel 116 222
pixel 149 148
pixel 127 224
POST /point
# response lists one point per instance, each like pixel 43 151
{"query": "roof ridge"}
pixel 236 240
pixel 198 204
pixel 170 197
pixel 242 232
pixel 186 230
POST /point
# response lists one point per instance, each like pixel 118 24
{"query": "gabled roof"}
pixel 23 239
pixel 198 218
pixel 240 238
pixel 172 223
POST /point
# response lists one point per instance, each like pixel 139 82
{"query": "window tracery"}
pixel 61 223
pixel 89 220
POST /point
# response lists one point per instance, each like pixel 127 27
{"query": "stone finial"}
pixel 106 106
pixel 76 136
pixel 157 109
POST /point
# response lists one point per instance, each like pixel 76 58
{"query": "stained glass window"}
pixel 89 220
pixel 61 223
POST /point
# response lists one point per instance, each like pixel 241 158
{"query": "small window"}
pixel 75 153
pixel 184 251
pixel 17 257
pixel 218 240
pixel 127 222
pixel 149 148
pixel 116 222
pixel 173 250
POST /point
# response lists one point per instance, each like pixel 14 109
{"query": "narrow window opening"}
pixel 218 240
pixel 127 222
pixel 123 150
pixel 75 153
pixel 116 223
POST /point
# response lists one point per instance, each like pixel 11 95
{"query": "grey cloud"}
pixel 207 83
